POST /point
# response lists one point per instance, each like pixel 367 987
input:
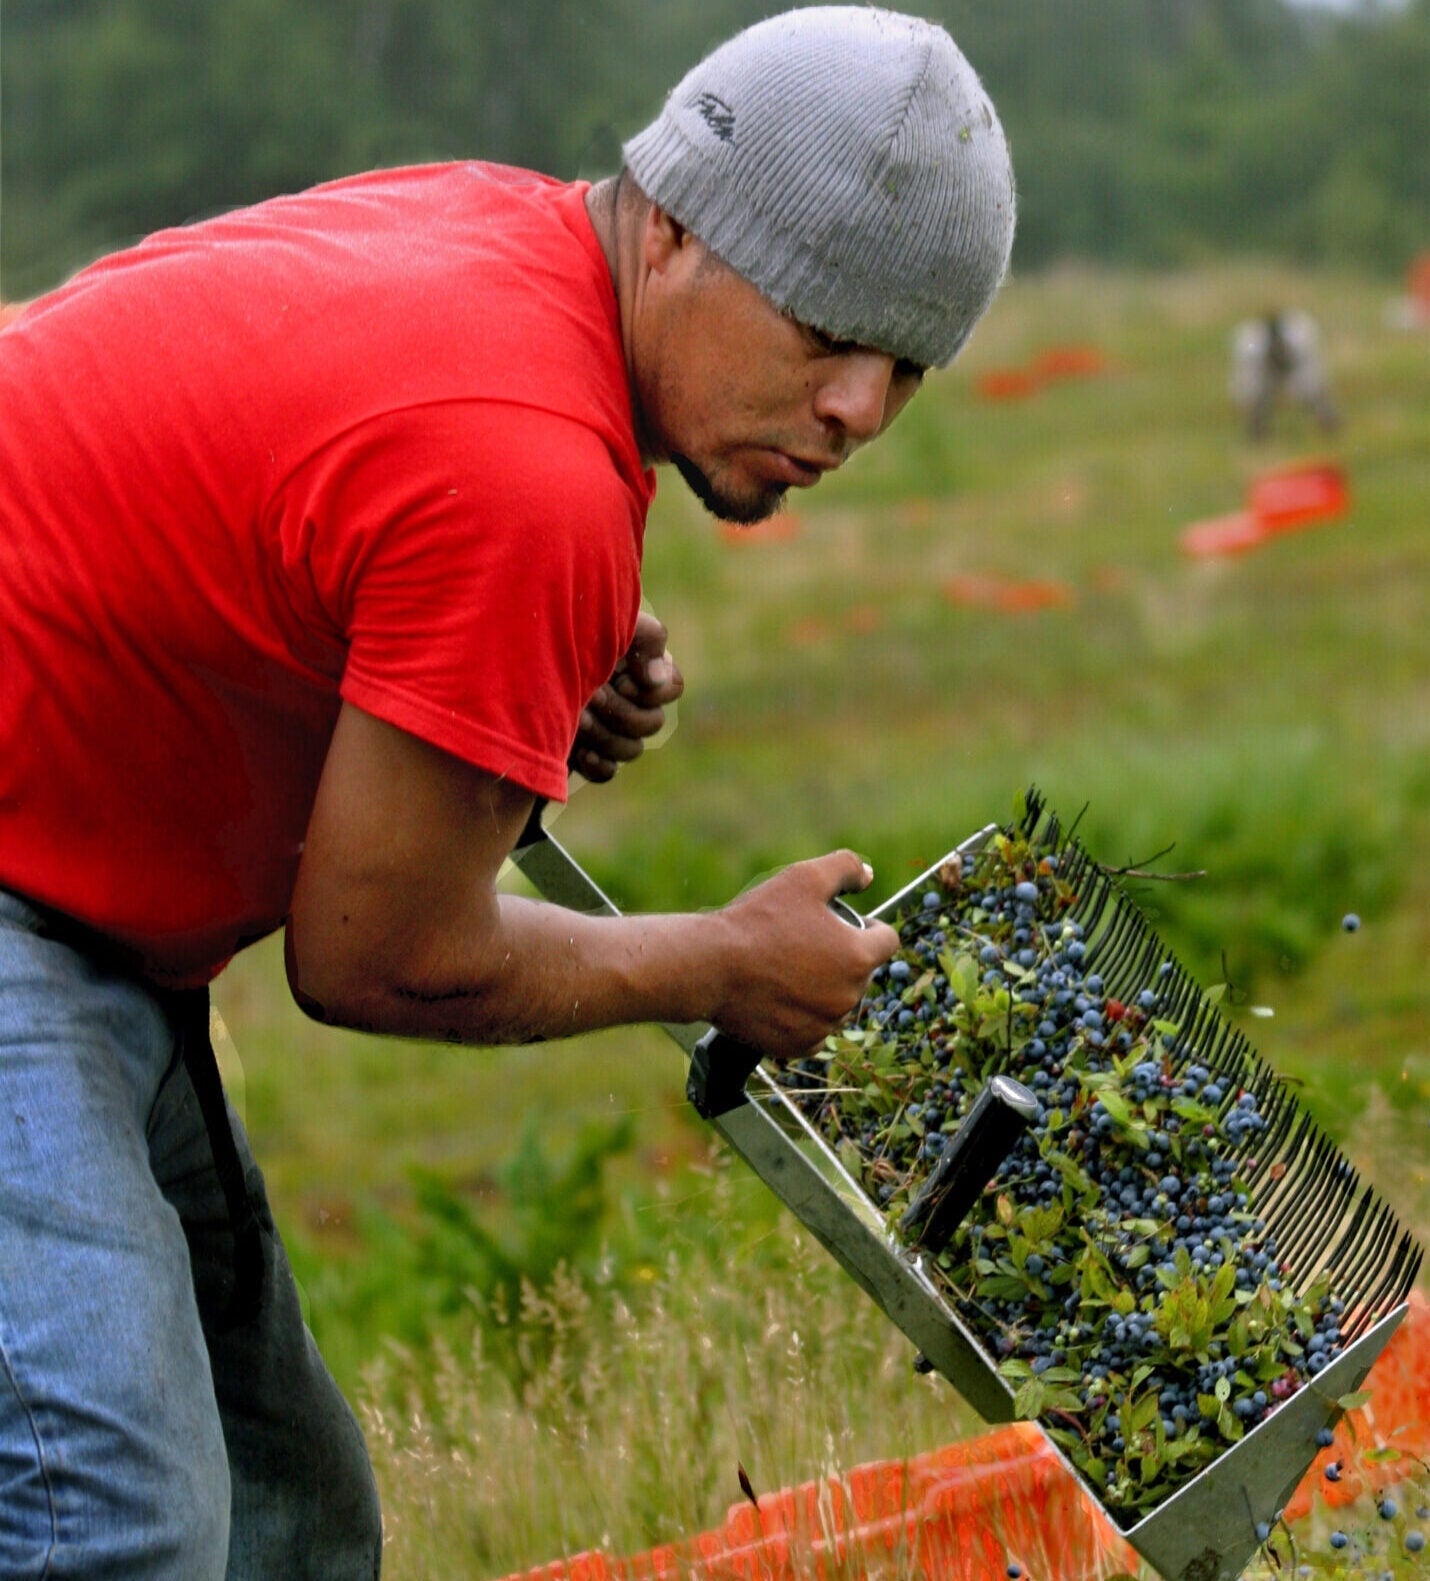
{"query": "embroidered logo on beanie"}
pixel 718 116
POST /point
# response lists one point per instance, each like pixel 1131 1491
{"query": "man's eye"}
pixel 827 343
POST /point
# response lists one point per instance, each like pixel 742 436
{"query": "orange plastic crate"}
pixel 964 1512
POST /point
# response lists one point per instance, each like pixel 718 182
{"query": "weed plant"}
pixel 635 1410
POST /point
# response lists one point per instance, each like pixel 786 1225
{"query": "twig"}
pixel 1139 869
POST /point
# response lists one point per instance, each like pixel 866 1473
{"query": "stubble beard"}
pixel 739 510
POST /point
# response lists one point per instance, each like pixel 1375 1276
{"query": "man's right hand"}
pixel 799 970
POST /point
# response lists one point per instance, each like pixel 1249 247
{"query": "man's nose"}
pixel 854 394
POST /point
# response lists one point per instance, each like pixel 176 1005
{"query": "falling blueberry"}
pixel 1387 1509
pixel 1414 1541
pixel 1325 1438
pixel 1339 1539
pixel 1014 1571
pixel 1263 1531
pixel 1350 922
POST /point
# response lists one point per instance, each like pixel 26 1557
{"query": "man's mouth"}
pixel 799 472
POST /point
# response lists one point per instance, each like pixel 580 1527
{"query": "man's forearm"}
pixel 542 972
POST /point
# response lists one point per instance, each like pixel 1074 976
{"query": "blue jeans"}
pixel 141 1436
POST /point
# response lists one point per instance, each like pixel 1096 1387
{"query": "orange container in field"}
pixel 1070 362
pixel 967 1511
pixel 1293 496
pixel 1220 536
pixel 1007 384
pixel 1417 282
pixel 1008 596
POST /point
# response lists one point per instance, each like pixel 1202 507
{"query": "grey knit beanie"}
pixel 847 162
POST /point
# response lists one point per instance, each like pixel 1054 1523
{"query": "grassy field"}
pixel 1267 718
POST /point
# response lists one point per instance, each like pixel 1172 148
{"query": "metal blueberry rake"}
pixel 1306 1192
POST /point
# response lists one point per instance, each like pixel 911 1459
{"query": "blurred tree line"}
pixel 1143 131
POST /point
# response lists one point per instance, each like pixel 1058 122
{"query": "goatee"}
pixel 739 512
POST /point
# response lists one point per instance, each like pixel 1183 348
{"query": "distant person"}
pixel 320 551
pixel 1279 353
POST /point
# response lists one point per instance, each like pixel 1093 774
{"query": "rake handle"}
pixel 721 1065
pixel 990 1131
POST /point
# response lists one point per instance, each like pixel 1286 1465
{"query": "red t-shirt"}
pixel 372 441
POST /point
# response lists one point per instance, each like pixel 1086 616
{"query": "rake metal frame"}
pixel 1206 1531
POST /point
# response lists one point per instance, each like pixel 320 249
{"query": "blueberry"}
pixel 900 971
pixel 1350 922
pixel 1263 1531
pixel 1339 1539
pixel 1333 1471
pixel 1013 1572
pixel 1414 1541
pixel 1026 892
pixel 1388 1509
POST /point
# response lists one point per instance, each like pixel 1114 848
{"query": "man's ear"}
pixel 663 239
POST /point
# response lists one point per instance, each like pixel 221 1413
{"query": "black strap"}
pixel 191 1014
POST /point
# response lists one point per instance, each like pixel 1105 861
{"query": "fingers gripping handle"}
pixel 999 1116
pixel 720 1065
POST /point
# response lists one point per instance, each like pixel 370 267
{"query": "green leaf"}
pixel 1140 1414
pixel 1353 1402
pixel 1028 1402
pixel 1116 1106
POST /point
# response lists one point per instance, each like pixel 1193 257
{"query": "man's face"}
pixel 746 402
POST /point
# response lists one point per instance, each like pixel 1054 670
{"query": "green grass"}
pixel 1267 718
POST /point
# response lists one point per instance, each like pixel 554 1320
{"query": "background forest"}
pixel 1144 131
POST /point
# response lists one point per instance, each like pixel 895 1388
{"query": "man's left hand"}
pixel 630 708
